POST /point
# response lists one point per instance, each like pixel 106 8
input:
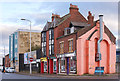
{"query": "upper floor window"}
pixel 52 48
pixel 70 45
pixel 62 47
pixel 51 34
pixel 44 50
pixel 66 31
pixel 44 36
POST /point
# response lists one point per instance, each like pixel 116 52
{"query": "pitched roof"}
pixel 84 30
pixel 107 31
pixel 78 24
pixel 56 22
pixel 47 26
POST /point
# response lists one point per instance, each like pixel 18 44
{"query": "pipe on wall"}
pixel 100 39
pixel 101 33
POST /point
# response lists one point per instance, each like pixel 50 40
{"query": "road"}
pixel 18 76
pixel 10 76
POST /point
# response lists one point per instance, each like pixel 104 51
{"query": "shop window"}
pixel 45 66
pixel 61 47
pixel 73 64
pixel 70 45
pixel 63 65
pixel 54 66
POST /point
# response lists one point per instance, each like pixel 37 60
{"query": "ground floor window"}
pixel 45 66
pixel 54 65
pixel 62 65
pixel 73 64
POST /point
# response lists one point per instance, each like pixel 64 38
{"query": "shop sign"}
pixel 52 57
pixel 99 70
pixel 38 60
pixel 43 59
pixel 66 55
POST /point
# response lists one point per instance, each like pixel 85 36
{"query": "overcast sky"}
pixel 40 12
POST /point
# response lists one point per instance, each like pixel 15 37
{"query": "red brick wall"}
pixel 66 43
pixel 76 17
pixel 7 61
pixel 47 43
pixel 59 31
pixel 55 41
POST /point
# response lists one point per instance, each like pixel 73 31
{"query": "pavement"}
pixel 72 76
pixel 20 76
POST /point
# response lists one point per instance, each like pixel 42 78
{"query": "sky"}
pixel 40 12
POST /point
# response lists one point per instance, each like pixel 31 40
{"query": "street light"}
pixel 30 44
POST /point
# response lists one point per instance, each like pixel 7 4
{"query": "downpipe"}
pixel 101 38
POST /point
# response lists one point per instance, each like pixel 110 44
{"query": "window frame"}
pixel 61 47
pixel 75 63
pixel 70 45
pixel 62 65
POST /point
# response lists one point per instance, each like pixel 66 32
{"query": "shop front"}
pixel 53 65
pixel 44 65
pixel 67 63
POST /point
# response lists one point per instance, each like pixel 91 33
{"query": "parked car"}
pixel 6 69
pixel 10 70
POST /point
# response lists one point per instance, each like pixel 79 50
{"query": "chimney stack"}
pixel 90 18
pixel 73 8
pixel 55 16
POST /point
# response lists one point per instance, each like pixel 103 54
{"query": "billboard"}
pixel 27 57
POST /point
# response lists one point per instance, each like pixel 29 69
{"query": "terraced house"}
pixel 76 45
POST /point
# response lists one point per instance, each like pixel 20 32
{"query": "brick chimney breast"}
pixel 90 18
pixel 55 16
pixel 73 8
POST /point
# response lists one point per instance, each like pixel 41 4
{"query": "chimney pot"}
pixel 55 16
pixel 73 8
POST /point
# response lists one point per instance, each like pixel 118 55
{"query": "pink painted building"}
pixel 87 50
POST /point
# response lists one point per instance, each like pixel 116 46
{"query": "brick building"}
pixel 61 44
pixel 7 61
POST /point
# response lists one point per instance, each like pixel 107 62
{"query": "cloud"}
pixel 40 12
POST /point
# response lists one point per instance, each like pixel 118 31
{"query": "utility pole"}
pixel 30 44
pixel 4 58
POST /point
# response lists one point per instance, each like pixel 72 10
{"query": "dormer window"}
pixel 66 31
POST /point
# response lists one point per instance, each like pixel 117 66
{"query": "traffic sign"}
pixel 31 59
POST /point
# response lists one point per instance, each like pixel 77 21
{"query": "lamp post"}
pixel 30 43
